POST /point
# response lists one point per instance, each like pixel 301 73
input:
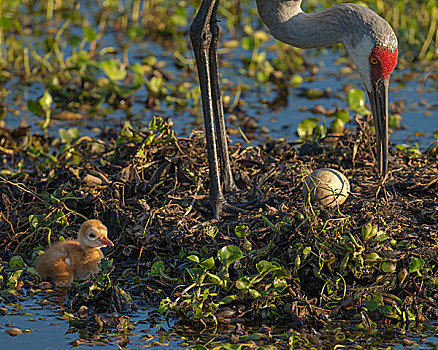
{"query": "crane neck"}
pixel 289 24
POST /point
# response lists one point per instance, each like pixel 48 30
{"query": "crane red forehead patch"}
pixel 387 61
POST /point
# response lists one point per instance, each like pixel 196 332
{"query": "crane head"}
pixel 375 61
pixel 382 63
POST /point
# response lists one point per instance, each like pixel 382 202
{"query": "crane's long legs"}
pixel 204 34
pixel 218 108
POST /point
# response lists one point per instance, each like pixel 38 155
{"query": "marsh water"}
pixel 45 325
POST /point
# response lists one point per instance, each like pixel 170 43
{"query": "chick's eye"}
pixel 92 235
pixel 374 60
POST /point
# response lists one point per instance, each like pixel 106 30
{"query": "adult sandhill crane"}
pixel 368 38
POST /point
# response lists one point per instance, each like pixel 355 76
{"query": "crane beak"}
pixel 105 242
pixel 379 105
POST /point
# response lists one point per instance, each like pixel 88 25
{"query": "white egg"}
pixel 328 187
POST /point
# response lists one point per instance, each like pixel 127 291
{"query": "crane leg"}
pixel 204 34
pixel 218 108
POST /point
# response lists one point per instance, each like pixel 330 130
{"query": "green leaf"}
pixel 255 294
pixel 371 256
pixel 228 299
pixel 280 283
pixel 267 266
pixel 305 128
pixel 16 262
pixel 416 265
pixel 193 258
pixel 211 231
pixel 306 252
pixel 89 33
pixel 229 254
pixel 46 101
pixel 68 135
pixel 35 107
pixel 372 304
pixel 13 279
pixel 114 69
pixel 241 231
pixel 157 269
pixel 337 126
pixel 179 18
pixel 356 101
pixel 207 264
pixel 343 115
pixel 215 279
pixel 389 266
pixel 243 283
pixel 134 33
pixel 247 43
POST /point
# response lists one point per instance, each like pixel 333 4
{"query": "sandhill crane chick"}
pixel 72 260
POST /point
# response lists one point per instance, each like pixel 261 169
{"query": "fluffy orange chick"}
pixel 72 260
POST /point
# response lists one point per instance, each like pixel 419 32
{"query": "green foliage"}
pixel 211 285
pixel 356 101
pixel 309 128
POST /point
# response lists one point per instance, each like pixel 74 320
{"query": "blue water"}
pixel 48 329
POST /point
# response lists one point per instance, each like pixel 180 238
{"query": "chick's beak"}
pixel 104 241
pixel 379 105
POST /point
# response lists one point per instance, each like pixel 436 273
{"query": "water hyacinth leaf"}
pixel 371 256
pixel 207 264
pixel 389 266
pixel 389 311
pixel 343 115
pixel 306 252
pixel 68 135
pixel 157 269
pixel 372 304
pixel 228 299
pixel 126 90
pixel 243 283
pixel 305 128
pixel 381 237
pixel 210 230
pixel 13 279
pixel 280 284
pixel 356 101
pixel 35 107
pixel 89 33
pixel 215 279
pixel 241 231
pixel 267 266
pixel 255 294
pixel 366 231
pixel 337 126
pixel 16 262
pixel 179 17
pixel 416 265
pixel 193 258
pixel 114 69
pixel 229 254
pixel 296 80
pixel 134 33
pixel 46 101
pixel 319 132
pixel 33 222
pixel 247 43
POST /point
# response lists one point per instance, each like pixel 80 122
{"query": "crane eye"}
pixel 374 60
pixel 92 235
